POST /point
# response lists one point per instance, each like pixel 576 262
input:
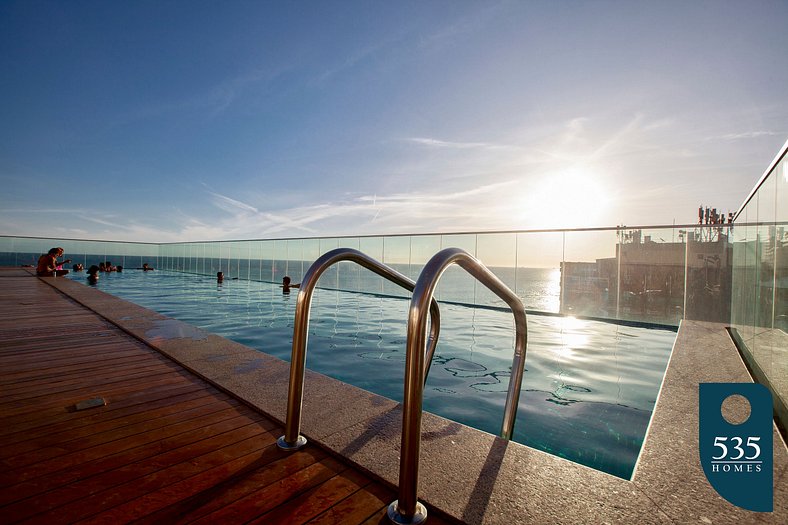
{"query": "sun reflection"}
pixel 573 338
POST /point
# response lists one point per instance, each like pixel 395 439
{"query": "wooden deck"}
pixel 167 447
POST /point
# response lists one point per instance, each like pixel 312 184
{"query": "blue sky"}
pixel 165 121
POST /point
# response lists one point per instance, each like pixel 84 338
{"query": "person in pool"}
pixel 93 274
pixel 286 284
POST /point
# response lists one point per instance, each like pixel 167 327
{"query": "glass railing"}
pixel 658 275
pixel 25 251
pixel 759 299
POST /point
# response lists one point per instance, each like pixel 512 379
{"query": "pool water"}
pixel 589 386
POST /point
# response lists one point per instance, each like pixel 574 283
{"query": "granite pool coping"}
pixel 471 475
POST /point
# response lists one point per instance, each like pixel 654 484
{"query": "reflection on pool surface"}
pixel 589 386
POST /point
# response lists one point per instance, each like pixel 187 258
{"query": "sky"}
pixel 165 121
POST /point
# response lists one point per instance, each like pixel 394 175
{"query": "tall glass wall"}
pixel 759 299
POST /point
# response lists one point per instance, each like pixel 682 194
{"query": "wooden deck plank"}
pixel 150 437
pixel 167 448
pixel 221 474
pixel 56 414
pixel 234 488
pixel 269 497
pixel 131 413
pixel 161 474
pixel 359 506
pixel 319 499
pixel 86 475
pixel 32 387
pixel 84 435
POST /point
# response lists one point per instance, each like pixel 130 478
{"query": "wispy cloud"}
pixel 445 144
pixel 460 28
pixel 747 135
pixel 231 205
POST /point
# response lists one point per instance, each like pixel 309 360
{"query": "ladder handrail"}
pixel 292 440
pixel 407 509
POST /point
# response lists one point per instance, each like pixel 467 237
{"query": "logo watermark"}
pixel 735 433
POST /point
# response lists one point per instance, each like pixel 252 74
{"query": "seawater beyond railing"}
pixel 407 509
pixel 292 439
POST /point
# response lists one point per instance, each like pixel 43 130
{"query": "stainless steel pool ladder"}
pixel 292 440
pixel 407 509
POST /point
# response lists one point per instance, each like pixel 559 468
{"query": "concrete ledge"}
pixel 468 474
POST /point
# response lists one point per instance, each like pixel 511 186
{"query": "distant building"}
pixel 652 279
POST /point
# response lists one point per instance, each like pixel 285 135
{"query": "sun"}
pixel 572 198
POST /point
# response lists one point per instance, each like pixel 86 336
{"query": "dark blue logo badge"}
pixel 735 432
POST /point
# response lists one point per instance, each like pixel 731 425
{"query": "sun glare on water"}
pixel 574 198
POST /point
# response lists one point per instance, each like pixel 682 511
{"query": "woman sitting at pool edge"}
pixel 48 264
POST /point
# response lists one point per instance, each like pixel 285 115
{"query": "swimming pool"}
pixel 589 386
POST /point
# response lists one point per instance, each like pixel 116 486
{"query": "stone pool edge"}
pixel 468 474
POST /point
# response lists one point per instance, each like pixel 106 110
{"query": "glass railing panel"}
pixel 206 267
pixel 779 334
pixel 422 248
pixel 767 243
pixel 742 260
pixel 330 277
pixel 76 252
pixel 373 247
pixel 182 256
pixel 133 254
pixel 190 257
pixel 763 343
pixel 708 274
pixel 114 255
pixel 267 261
pixel 28 250
pixel 8 255
pixel 348 273
pixel 781 250
pixel 589 276
pixel 310 250
pixel 396 254
pixel 279 260
pixel 295 260
pixel 172 257
pixel 95 253
pixel 498 252
pixel 748 294
pixel 457 285
pixel 206 263
pixel 255 256
pixel 228 259
pixel 538 271
pixel 245 259
pixel 223 256
pixel 210 258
